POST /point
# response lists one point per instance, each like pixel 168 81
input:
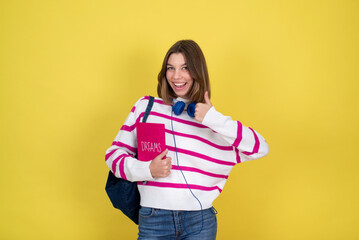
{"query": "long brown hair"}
pixel 197 67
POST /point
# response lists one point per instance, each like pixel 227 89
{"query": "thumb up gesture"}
pixel 202 108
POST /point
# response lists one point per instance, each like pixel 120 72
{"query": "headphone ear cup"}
pixel 178 107
pixel 191 109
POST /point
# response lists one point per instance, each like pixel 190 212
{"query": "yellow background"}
pixel 71 71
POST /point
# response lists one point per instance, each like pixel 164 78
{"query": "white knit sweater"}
pixel 206 152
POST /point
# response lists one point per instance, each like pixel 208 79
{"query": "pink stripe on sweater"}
pixel 201 156
pixel 122 168
pixel 109 154
pixel 132 127
pixel 120 144
pixel 179 185
pixel 239 135
pixel 153 113
pixel 133 109
pixel 128 128
pixel 256 145
pixel 115 161
pixel 194 124
pixel 191 169
pixel 238 158
pixel 224 148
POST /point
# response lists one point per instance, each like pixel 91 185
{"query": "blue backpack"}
pixel 124 194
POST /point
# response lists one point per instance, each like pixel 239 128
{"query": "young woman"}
pixel 178 187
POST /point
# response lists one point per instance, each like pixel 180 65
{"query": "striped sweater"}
pixel 206 153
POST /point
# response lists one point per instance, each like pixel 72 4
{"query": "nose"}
pixel 177 74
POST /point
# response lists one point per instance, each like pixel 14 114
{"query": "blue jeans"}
pixel 167 224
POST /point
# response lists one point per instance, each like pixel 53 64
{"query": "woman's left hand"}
pixel 202 108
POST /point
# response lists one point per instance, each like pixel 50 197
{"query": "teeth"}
pixel 179 84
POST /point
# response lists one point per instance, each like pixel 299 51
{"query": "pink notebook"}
pixel 151 140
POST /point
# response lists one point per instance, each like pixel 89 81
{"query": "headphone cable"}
pixel 174 140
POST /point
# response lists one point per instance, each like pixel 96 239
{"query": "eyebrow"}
pixel 181 65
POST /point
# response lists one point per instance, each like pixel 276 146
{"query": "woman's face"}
pixel 178 76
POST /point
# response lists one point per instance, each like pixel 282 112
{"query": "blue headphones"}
pixel 179 107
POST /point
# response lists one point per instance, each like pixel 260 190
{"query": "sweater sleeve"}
pixel 249 144
pixel 120 157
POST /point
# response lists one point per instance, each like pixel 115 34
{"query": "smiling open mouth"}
pixel 180 85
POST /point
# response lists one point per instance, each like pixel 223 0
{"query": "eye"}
pixel 169 68
pixel 185 68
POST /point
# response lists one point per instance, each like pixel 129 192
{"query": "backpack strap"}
pixel 148 109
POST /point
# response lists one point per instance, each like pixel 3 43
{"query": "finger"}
pixel 166 172
pixel 206 98
pixel 166 161
pixel 196 116
pixel 162 154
